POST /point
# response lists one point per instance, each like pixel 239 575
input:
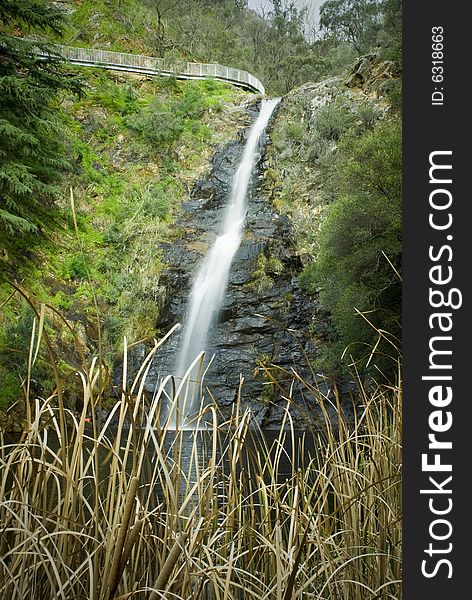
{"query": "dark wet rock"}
pixel 205 189
pixel 261 332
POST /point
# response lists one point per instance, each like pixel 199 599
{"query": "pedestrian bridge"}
pixel 149 65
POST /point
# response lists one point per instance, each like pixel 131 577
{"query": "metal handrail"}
pixel 151 65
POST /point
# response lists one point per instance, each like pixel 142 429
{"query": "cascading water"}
pixel 208 290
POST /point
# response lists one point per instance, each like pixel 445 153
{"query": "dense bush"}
pixel 14 344
pixel 164 122
pixel 391 36
pixel 118 98
pixel 332 121
pixel 359 256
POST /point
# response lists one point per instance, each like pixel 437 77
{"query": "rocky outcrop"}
pixel 372 74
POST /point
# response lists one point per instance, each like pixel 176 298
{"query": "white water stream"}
pixel 209 287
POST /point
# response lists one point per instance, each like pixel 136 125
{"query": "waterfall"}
pixel 210 284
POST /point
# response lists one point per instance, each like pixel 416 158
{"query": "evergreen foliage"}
pixel 391 38
pixel 32 154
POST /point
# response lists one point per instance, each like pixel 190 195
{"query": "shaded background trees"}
pixel 356 22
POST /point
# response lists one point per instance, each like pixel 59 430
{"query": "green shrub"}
pixel 15 340
pixel 295 131
pixel 191 104
pixel 266 269
pixel 75 267
pixel 156 201
pixel 360 242
pixel 211 85
pixel 90 164
pixel 394 95
pixel 113 234
pixel 368 116
pixel 164 122
pixel 317 150
pixel 161 127
pixel 62 300
pixel 10 389
pixel 332 121
pixel 121 99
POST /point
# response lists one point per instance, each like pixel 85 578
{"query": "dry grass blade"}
pixel 225 513
pixel 115 570
pixel 169 564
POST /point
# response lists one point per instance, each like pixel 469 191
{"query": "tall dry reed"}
pixel 131 509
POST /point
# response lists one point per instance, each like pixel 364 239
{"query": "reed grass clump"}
pixel 137 510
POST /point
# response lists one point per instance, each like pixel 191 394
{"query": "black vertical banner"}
pixel 437 320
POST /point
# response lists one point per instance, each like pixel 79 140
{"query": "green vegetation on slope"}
pixel 130 149
pixel 136 146
pixel 336 171
pixel 358 261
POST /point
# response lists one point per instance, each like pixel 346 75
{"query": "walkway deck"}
pixel 149 65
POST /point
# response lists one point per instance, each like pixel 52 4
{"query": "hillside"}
pixel 139 145
pixel 136 149
pixel 334 169
pixel 221 31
